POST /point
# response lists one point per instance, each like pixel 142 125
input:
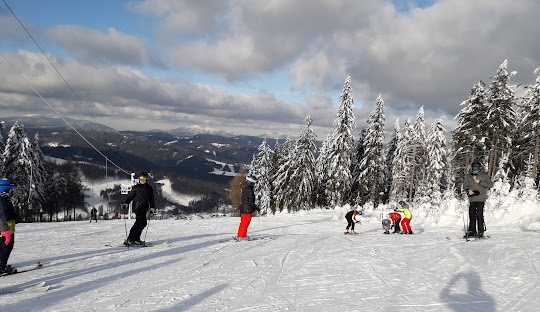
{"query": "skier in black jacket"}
pixel 247 208
pixel 142 196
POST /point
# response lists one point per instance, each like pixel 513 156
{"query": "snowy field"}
pixel 304 263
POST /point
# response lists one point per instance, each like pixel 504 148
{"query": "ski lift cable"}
pixel 61 76
pixel 60 115
pixel 48 59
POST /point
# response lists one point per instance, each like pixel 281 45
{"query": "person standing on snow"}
pixel 7 226
pixel 93 214
pixel 407 216
pixel 247 208
pixel 352 218
pixel 142 196
pixel 477 184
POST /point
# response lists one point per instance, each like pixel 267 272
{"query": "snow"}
pixel 304 263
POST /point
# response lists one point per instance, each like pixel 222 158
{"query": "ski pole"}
pixel 260 226
pixel 147 227
pixel 125 226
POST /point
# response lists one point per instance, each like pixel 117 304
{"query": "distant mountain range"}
pixel 198 153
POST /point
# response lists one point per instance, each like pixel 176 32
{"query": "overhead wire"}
pixel 65 81
pixel 60 115
pixel 45 54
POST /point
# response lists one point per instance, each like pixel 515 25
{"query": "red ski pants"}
pixel 406 225
pixel 245 219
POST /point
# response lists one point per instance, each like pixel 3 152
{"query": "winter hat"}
pixel 476 166
pixel 6 185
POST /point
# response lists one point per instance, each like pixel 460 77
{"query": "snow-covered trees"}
pixel 338 151
pixel 262 169
pixel 527 145
pixel 501 116
pixel 470 135
pixel 371 163
pixel 23 166
pixel 303 175
pixel 436 158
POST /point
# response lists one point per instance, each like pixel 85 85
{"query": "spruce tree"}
pixel 339 150
pixel 389 159
pixel 436 157
pixel 303 176
pixel 528 137
pixel 470 135
pixel 18 165
pixel 261 169
pixel 501 116
pixel 372 163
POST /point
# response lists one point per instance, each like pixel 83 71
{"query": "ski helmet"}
pixel 6 185
pixel 143 176
pixel 476 164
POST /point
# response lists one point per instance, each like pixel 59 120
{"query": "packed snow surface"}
pixel 303 263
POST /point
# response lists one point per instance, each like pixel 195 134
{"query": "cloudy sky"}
pixel 256 67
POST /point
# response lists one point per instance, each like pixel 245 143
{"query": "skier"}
pixel 396 219
pixel 7 226
pixel 93 214
pixel 247 208
pixel 477 185
pixel 407 216
pixel 142 195
pixel 352 218
pixel 386 225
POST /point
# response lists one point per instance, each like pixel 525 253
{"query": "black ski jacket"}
pixel 248 200
pixel 142 196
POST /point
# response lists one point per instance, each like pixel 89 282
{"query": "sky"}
pixel 302 263
pixel 256 67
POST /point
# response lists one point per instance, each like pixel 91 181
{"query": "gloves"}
pixel 7 236
pixel 124 206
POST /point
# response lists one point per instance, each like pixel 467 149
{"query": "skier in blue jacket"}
pixel 7 226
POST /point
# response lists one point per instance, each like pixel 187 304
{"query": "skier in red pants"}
pixel 406 221
pixel 247 208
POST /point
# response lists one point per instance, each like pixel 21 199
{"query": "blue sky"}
pixel 258 67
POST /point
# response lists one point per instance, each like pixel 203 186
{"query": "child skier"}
pixel 386 225
pixel 406 221
pixel 396 218
pixel 352 218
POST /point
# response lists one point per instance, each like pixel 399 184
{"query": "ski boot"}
pixel 469 234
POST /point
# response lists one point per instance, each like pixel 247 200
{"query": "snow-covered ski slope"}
pixel 309 265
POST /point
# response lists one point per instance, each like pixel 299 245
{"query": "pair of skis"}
pixel 40 287
pixel 247 239
pixel 23 269
pixel 146 244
